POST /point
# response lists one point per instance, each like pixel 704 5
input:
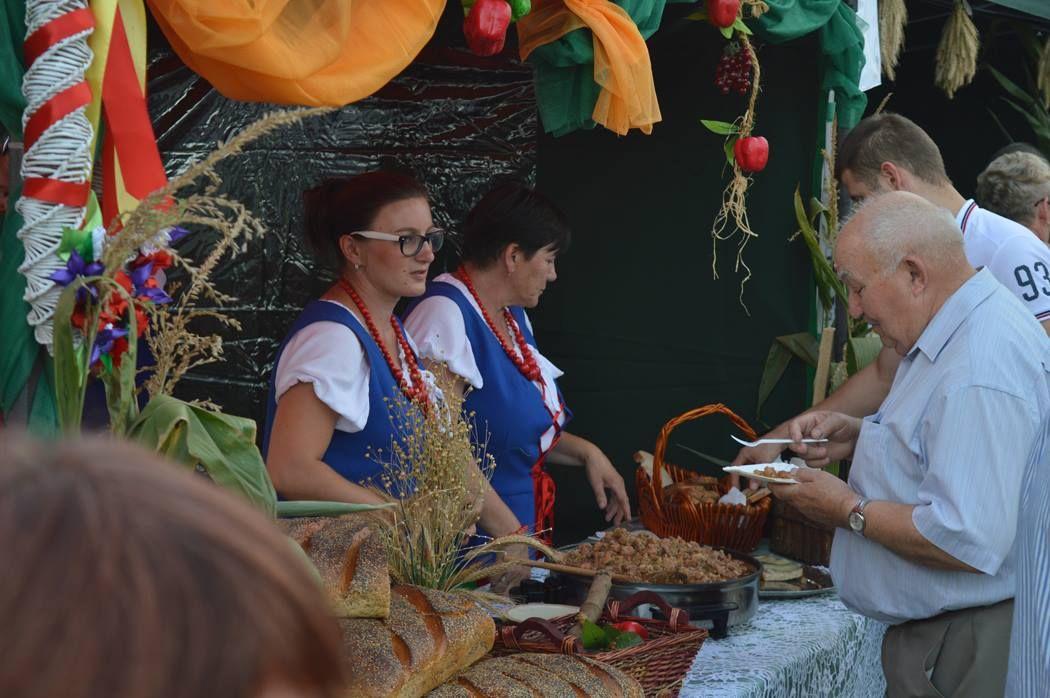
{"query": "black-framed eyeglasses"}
pixel 410 244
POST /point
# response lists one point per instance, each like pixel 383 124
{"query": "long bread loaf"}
pixel 428 637
pixel 351 560
pixel 540 676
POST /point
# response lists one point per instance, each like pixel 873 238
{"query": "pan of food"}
pixel 717 587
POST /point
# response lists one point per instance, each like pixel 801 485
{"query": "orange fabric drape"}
pixel 308 52
pixel 621 58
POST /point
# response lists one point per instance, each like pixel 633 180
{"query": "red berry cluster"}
pixel 734 69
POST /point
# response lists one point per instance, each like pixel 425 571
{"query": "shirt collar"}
pixel 957 308
pixel 964 213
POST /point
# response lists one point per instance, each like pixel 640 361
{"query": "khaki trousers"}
pixel 958 654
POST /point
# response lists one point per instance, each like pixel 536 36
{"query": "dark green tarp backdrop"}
pixel 636 321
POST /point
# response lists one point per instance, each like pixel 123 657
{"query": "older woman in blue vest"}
pixel 347 356
pixel 473 321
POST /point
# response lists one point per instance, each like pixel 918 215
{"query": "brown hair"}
pixel 126 577
pixel 892 138
pixel 340 206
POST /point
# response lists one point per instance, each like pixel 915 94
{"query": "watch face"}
pixel 856 521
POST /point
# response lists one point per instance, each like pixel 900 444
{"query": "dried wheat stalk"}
pixel 893 18
pixel 175 343
pixel 436 474
pixel 957 51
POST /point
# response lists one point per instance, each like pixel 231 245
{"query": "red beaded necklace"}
pixel 526 363
pixel 417 392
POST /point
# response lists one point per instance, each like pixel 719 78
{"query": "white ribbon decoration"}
pixel 61 152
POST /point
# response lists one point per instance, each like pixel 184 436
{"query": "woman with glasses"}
pixel 346 357
pixel 473 321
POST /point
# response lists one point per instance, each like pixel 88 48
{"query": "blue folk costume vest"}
pixel 509 412
pixel 348 453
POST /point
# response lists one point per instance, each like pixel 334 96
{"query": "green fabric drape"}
pixel 565 88
pixel 19 351
pixel 841 43
pixel 564 70
pixel 12 34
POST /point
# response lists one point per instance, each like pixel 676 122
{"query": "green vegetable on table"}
pixel 606 637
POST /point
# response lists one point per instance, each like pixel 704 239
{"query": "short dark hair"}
pixel 1017 147
pixel 513 213
pixel 340 206
pixel 132 578
pixel 888 137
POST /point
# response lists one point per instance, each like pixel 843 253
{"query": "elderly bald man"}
pixel 926 524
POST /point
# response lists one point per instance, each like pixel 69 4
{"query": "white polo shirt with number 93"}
pixel 1011 252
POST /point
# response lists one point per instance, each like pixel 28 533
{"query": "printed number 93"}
pixel 1026 280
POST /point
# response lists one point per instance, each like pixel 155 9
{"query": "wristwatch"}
pixel 856 516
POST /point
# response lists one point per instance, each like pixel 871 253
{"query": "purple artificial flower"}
pixel 104 342
pixel 76 266
pixel 156 296
pixel 176 233
pixel 140 276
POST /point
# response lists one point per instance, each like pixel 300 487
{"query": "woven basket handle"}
pixel 511 635
pixel 665 432
pixel 676 617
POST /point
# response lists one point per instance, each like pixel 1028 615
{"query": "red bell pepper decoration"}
pixel 723 13
pixel 751 153
pixel 486 26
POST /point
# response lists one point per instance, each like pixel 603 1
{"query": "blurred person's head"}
pixel 125 577
pixel 1017 186
pixel 888 152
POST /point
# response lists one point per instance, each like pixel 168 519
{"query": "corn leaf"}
pixel 776 363
pixel 290 510
pixel 721 463
pixel 802 346
pixel 223 445
pixel 121 402
pixel 70 376
pixel 861 351
pixel 1012 87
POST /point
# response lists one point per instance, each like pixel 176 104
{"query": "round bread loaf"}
pixel 540 675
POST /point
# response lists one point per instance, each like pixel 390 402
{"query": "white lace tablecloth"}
pixel 807 647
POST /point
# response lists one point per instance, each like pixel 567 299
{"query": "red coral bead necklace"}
pixel 417 392
pixel 526 362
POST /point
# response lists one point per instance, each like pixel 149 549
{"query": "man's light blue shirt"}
pixel 1029 675
pixel 953 438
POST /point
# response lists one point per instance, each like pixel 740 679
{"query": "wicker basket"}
pixel 659 664
pixel 735 526
pixel 795 536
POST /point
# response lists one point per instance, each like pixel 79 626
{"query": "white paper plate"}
pixel 538 610
pixel 752 471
